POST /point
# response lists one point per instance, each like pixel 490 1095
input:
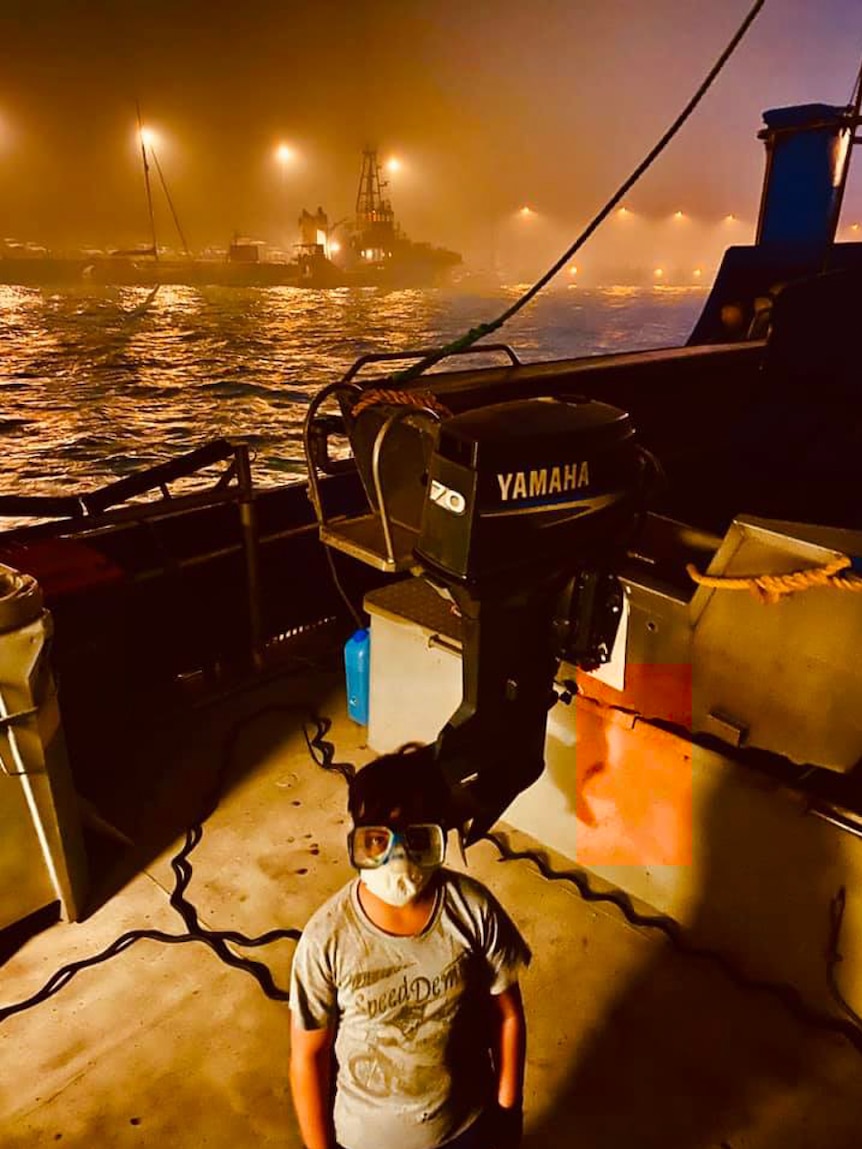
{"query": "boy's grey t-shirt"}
pixel 412 1013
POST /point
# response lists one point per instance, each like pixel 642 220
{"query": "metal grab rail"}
pixel 396 417
pixel 347 384
pixel 307 441
pixel 311 444
pixel 391 356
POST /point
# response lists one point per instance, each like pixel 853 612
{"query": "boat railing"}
pixel 83 506
pixel 109 508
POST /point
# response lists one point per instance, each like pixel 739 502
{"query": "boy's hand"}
pixel 508 1127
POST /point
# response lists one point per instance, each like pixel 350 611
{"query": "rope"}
pixel 168 197
pixel 476 333
pixel 771 588
pixel 379 395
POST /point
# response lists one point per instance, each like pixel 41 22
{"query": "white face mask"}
pixel 397 881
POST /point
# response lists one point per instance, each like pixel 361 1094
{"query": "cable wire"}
pixel 477 333
pixel 787 995
pixel 322 752
pixel 344 595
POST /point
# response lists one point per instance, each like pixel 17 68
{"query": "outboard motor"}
pixel 527 504
pixel 517 512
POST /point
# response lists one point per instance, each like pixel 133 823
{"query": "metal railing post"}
pixel 248 521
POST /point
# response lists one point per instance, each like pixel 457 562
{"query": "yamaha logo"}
pixel 544 481
pixel 449 500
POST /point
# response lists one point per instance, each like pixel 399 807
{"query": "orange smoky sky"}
pixel 488 107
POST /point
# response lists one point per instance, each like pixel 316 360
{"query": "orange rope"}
pixel 771 588
pixel 422 399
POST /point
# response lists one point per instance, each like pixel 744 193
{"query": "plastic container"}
pixel 357 666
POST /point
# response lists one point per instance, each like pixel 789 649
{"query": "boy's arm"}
pixel 310 1081
pixel 511 1047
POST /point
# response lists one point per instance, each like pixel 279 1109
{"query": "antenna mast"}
pixel 853 121
pixel 371 207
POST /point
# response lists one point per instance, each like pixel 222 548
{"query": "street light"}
pixel 284 155
pixel 393 165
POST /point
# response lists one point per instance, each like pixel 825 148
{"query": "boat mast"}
pixel 147 179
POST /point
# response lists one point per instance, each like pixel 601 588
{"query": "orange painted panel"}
pixel 633 787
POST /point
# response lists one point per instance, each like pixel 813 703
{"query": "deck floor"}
pixel 631 1044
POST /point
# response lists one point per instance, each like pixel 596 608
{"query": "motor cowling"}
pixel 517 490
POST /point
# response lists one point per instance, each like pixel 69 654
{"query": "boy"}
pixel 409 976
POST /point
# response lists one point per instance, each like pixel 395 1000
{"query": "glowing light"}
pixel 854 226
pixel 393 165
pixel 679 215
pixel 697 273
pixel 730 218
pixel 623 212
pixel 658 273
pixel 149 138
pixel 284 153
pixel 573 271
pixel 335 247
pixel 526 212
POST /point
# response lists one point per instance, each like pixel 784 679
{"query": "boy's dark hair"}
pixel 408 781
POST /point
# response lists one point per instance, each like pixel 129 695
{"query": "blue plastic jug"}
pixel 357 666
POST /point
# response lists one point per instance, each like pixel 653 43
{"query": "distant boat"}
pixel 375 253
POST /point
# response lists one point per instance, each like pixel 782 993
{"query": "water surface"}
pixel 96 384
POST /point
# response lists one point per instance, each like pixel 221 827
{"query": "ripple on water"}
pixel 96 386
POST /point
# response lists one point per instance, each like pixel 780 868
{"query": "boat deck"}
pixel 631 1043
